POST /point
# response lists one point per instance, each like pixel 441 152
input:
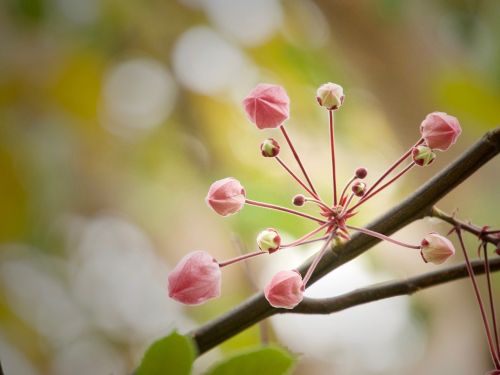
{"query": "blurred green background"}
pixel 116 116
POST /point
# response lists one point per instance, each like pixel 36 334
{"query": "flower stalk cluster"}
pixel 268 106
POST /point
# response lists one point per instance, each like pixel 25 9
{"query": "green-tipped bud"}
pixel 330 95
pixel 359 188
pixel 270 148
pixel 423 155
pixel 269 240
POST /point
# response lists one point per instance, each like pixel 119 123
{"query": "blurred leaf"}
pixel 264 361
pixel 173 354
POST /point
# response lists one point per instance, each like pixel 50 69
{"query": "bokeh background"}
pixel 116 116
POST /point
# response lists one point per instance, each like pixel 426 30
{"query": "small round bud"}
pixel 285 290
pixel 299 200
pixel 330 95
pixel 359 188
pixel 269 240
pixel 423 155
pixel 361 172
pixel 269 148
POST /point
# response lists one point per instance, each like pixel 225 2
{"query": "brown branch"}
pixel 389 289
pixel 468 227
pixel 412 208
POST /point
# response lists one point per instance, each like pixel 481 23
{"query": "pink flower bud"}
pixel 359 188
pixel 195 279
pixel 436 249
pixel 285 290
pixel 361 172
pixel 440 130
pixel 330 95
pixel 299 200
pixel 267 106
pixel 269 240
pixel 423 155
pixel 226 196
pixel 270 148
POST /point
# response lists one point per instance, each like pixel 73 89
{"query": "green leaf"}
pixel 264 361
pixel 173 354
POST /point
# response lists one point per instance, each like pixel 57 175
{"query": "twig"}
pixel 389 289
pixel 414 207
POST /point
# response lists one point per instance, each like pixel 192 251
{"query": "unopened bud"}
pixel 269 240
pixel 359 188
pixel 436 249
pixel 269 148
pixel 330 95
pixel 361 172
pixel 423 155
pixel 299 200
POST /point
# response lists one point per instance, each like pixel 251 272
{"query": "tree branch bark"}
pixel 412 208
pixel 389 289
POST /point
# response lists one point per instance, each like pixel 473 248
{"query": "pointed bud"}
pixel 436 249
pixel 361 173
pixel 267 106
pixel 285 290
pixel 440 130
pixel 269 240
pixel 299 200
pixel 330 96
pixel 226 196
pixel 423 155
pixel 195 279
pixel 359 188
pixel 270 148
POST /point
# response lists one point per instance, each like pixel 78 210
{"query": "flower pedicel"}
pixel 197 277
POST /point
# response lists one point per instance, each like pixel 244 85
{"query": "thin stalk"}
pixel 283 209
pixel 346 187
pixel 366 197
pixel 346 206
pixel 479 300
pixel 240 258
pixel 296 156
pixel 393 166
pixel 318 257
pixel 332 148
pixel 383 237
pixel 306 236
pixel 490 296
pixel 318 202
pixel 296 178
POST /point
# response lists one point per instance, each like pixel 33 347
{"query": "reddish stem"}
pixel 347 204
pixel 278 159
pixel 393 166
pixel 383 237
pixel 306 236
pixel 240 258
pixel 478 298
pixel 318 257
pixel 366 197
pixel 283 209
pixel 332 147
pixel 346 187
pixel 490 296
pixel 318 202
pixel 296 156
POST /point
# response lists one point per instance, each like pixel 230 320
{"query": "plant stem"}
pixel 283 209
pixel 478 298
pixel 346 187
pixel 490 296
pixel 278 159
pixel 383 237
pixel 240 258
pixel 296 156
pixel 318 257
pixel 332 148
pixel 393 166
pixel 319 203
pixel 366 197
pixel 306 236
